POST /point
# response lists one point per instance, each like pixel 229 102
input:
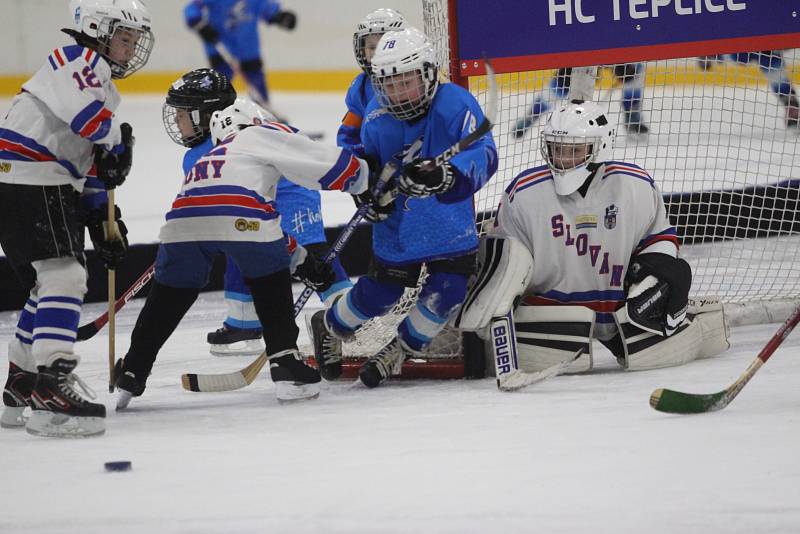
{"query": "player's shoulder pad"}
pixel 527 179
pixel 623 169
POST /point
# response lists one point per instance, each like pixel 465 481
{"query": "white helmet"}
pixel 238 116
pixel 100 19
pixel 404 73
pixel 378 22
pixel 576 140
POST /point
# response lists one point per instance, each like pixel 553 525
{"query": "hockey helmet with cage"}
pixel 574 142
pixel 376 23
pixel 191 100
pixel 95 22
pixel 405 73
pixel 238 116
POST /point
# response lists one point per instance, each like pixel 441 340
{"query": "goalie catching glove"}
pixel 422 178
pixel 111 251
pixel 658 292
pixel 113 167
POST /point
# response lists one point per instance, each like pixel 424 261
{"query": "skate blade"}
pixel 288 393
pixel 250 347
pixel 123 399
pixel 13 418
pixel 56 425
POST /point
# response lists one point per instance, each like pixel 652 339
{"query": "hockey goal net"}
pixel 718 133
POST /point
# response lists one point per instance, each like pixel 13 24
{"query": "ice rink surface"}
pixel 574 454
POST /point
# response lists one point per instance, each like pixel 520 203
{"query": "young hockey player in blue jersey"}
pixel 227 205
pixel 772 65
pixel 187 111
pixel 234 25
pixel 369 31
pixel 431 221
pixel 630 75
pixel 60 139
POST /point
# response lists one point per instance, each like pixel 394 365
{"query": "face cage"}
pixel 169 115
pixel 358 49
pixel 144 46
pixel 407 109
pixel 546 140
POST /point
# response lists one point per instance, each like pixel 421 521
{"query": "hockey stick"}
pixel 670 401
pixel 518 379
pixel 112 233
pixel 244 377
pixel 89 330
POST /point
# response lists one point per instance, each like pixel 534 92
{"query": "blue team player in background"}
pixel 369 31
pixel 234 25
pixel 190 102
pixel 431 222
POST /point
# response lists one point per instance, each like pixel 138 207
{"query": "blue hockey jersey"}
pixel 358 97
pixel 440 226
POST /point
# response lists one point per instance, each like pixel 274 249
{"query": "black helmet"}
pixel 199 93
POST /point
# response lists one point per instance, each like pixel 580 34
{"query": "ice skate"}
pixel 387 362
pixel 227 341
pixel 58 409
pixel 327 347
pixel 128 385
pixel 16 396
pixel 294 380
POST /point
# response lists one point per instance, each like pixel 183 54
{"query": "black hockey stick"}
pixel 89 330
pixel 669 401
pixel 244 377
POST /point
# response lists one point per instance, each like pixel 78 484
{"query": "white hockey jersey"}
pixel 66 108
pixel 582 246
pixel 229 193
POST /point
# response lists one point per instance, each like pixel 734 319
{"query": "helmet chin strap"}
pixel 593 167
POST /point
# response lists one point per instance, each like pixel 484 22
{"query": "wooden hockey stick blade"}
pixel 519 379
pixel 89 330
pixel 670 401
pixel 226 381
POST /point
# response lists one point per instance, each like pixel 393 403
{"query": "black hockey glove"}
pixel 206 32
pixel 112 169
pixel 285 19
pixel 421 178
pixel 657 288
pixel 112 252
pixel 314 273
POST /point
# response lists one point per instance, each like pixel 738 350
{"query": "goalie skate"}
pixel 227 341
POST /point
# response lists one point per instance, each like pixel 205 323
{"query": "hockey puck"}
pixel 117 466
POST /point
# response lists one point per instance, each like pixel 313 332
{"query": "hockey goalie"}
pixel 582 249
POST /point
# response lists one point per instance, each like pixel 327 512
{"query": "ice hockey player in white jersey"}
pixel 586 245
pixel 61 139
pixel 227 205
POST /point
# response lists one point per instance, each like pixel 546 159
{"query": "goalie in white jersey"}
pixel 227 205
pixel 61 147
pixel 583 244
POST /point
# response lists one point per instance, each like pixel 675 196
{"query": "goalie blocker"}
pixel 533 339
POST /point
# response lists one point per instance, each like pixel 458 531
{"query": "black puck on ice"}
pixel 118 466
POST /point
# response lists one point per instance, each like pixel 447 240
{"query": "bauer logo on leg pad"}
pixel 503 342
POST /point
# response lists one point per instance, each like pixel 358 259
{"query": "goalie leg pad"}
pixel 702 335
pixel 549 335
pixel 506 268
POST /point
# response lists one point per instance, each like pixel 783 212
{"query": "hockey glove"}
pixel 111 251
pixel 422 179
pixel 658 292
pixel 112 169
pixel 285 19
pixel 313 272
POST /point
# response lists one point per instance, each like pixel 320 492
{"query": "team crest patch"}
pixel 610 220
pixel 5 167
pixel 585 221
pixel 243 225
